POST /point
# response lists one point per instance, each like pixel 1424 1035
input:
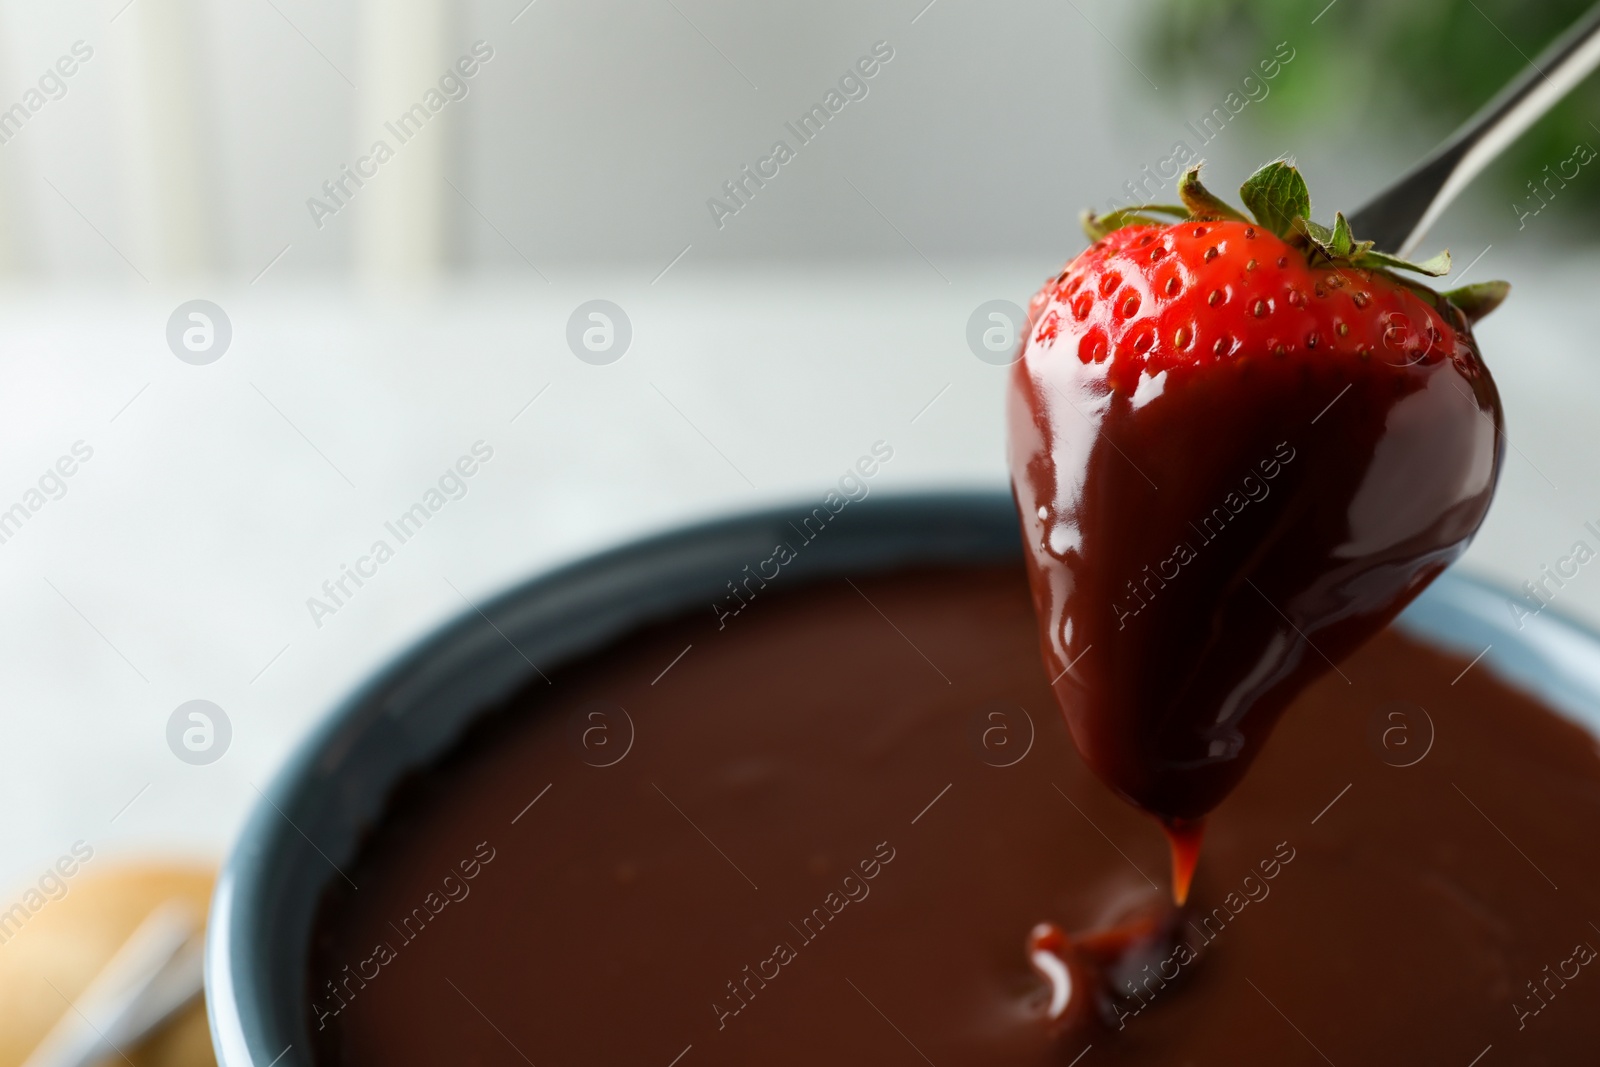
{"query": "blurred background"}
pixel 191 141
pixel 368 315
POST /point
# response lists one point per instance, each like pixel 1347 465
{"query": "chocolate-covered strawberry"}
pixel 1239 447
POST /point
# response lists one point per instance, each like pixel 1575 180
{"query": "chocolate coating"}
pixel 1206 543
pixel 809 743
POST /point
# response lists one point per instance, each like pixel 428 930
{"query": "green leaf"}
pixel 1279 199
pixel 1437 267
pixel 1098 226
pixel 1343 242
pixel 1200 201
pixel 1315 238
pixel 1476 301
pixel 1314 232
pixel 1276 195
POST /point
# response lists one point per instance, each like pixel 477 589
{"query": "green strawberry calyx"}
pixel 1278 198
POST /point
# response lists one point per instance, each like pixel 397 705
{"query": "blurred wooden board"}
pixel 62 945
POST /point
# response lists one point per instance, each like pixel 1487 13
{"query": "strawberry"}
pixel 1239 447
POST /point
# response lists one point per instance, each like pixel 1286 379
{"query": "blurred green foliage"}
pixel 1393 63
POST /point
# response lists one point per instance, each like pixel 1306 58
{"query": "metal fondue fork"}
pixel 1398 217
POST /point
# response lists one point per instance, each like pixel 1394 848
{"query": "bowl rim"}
pixel 253 952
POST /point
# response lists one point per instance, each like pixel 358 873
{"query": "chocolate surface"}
pixel 824 834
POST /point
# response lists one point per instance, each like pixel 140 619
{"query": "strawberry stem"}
pixel 1279 199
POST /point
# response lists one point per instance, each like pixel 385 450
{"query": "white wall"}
pixel 195 136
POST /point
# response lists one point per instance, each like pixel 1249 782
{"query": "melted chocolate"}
pixel 819 849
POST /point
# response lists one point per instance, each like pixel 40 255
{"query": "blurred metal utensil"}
pixel 156 972
pixel 1398 217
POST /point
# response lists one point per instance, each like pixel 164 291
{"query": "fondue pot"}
pixel 313 818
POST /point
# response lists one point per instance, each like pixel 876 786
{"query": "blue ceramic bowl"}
pixel 337 783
